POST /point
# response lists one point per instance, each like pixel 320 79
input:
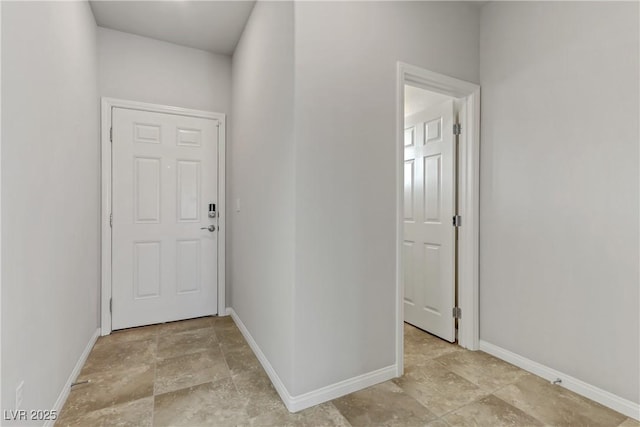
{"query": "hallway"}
pixel 202 372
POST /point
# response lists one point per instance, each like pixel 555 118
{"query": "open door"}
pixel 429 232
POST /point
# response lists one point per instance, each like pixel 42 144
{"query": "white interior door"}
pixel 429 235
pixel 164 176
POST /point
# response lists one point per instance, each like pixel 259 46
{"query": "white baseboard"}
pixel 341 388
pixel 610 400
pixel 315 397
pixel 275 379
pixel 64 393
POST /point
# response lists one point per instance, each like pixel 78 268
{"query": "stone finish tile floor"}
pixel 201 372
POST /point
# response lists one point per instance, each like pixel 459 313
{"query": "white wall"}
pixel 261 174
pixel 559 187
pixel 147 70
pixel 345 99
pixel 141 69
pixel 50 191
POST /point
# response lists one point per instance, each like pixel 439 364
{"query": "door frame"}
pixel 468 199
pixel 107 105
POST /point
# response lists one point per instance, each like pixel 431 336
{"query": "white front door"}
pixel 429 235
pixel 164 176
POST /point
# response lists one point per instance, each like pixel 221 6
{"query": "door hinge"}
pixel 457 313
pixel 457 129
pixel 110 305
pixel 457 220
pixel 111 220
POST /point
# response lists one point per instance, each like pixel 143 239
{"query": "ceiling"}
pixel 416 99
pixel 215 26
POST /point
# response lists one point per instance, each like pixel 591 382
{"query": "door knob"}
pixel 211 228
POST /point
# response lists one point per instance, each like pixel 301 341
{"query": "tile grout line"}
pixel 489 393
pixel 191 354
pixel 341 414
pixel 521 410
pixel 476 400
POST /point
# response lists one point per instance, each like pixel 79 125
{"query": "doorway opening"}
pixel 437 207
pixel 430 210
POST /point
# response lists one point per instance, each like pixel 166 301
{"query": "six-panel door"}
pixel 164 176
pixel 429 205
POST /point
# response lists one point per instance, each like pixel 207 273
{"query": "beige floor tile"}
pixel 325 415
pixel 216 403
pixel 230 336
pixel 555 405
pixel 413 335
pixel 205 373
pixel 111 356
pixel 131 334
pixel 242 360
pixel 188 325
pixel 482 369
pixel 109 388
pixel 257 388
pixel 440 390
pixel 420 346
pixel 384 404
pixel 135 413
pixel 172 344
pixel 189 370
pixel 409 329
pixel 224 322
pixel 234 346
pixel 492 412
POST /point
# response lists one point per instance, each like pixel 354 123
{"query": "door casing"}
pixel 106 201
pixel 468 199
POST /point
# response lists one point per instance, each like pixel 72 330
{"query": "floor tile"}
pixel 189 370
pixel 242 361
pixel 384 404
pixel 230 337
pixel 555 405
pixel 111 387
pixel 131 334
pixel 420 346
pixel 490 411
pixel 224 322
pixel 217 403
pixel 439 389
pixel 135 413
pixel 111 356
pixel 437 423
pixel 203 372
pixel 188 325
pixel 482 369
pixel 172 344
pixel 257 388
pixel 234 346
pixel 325 415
